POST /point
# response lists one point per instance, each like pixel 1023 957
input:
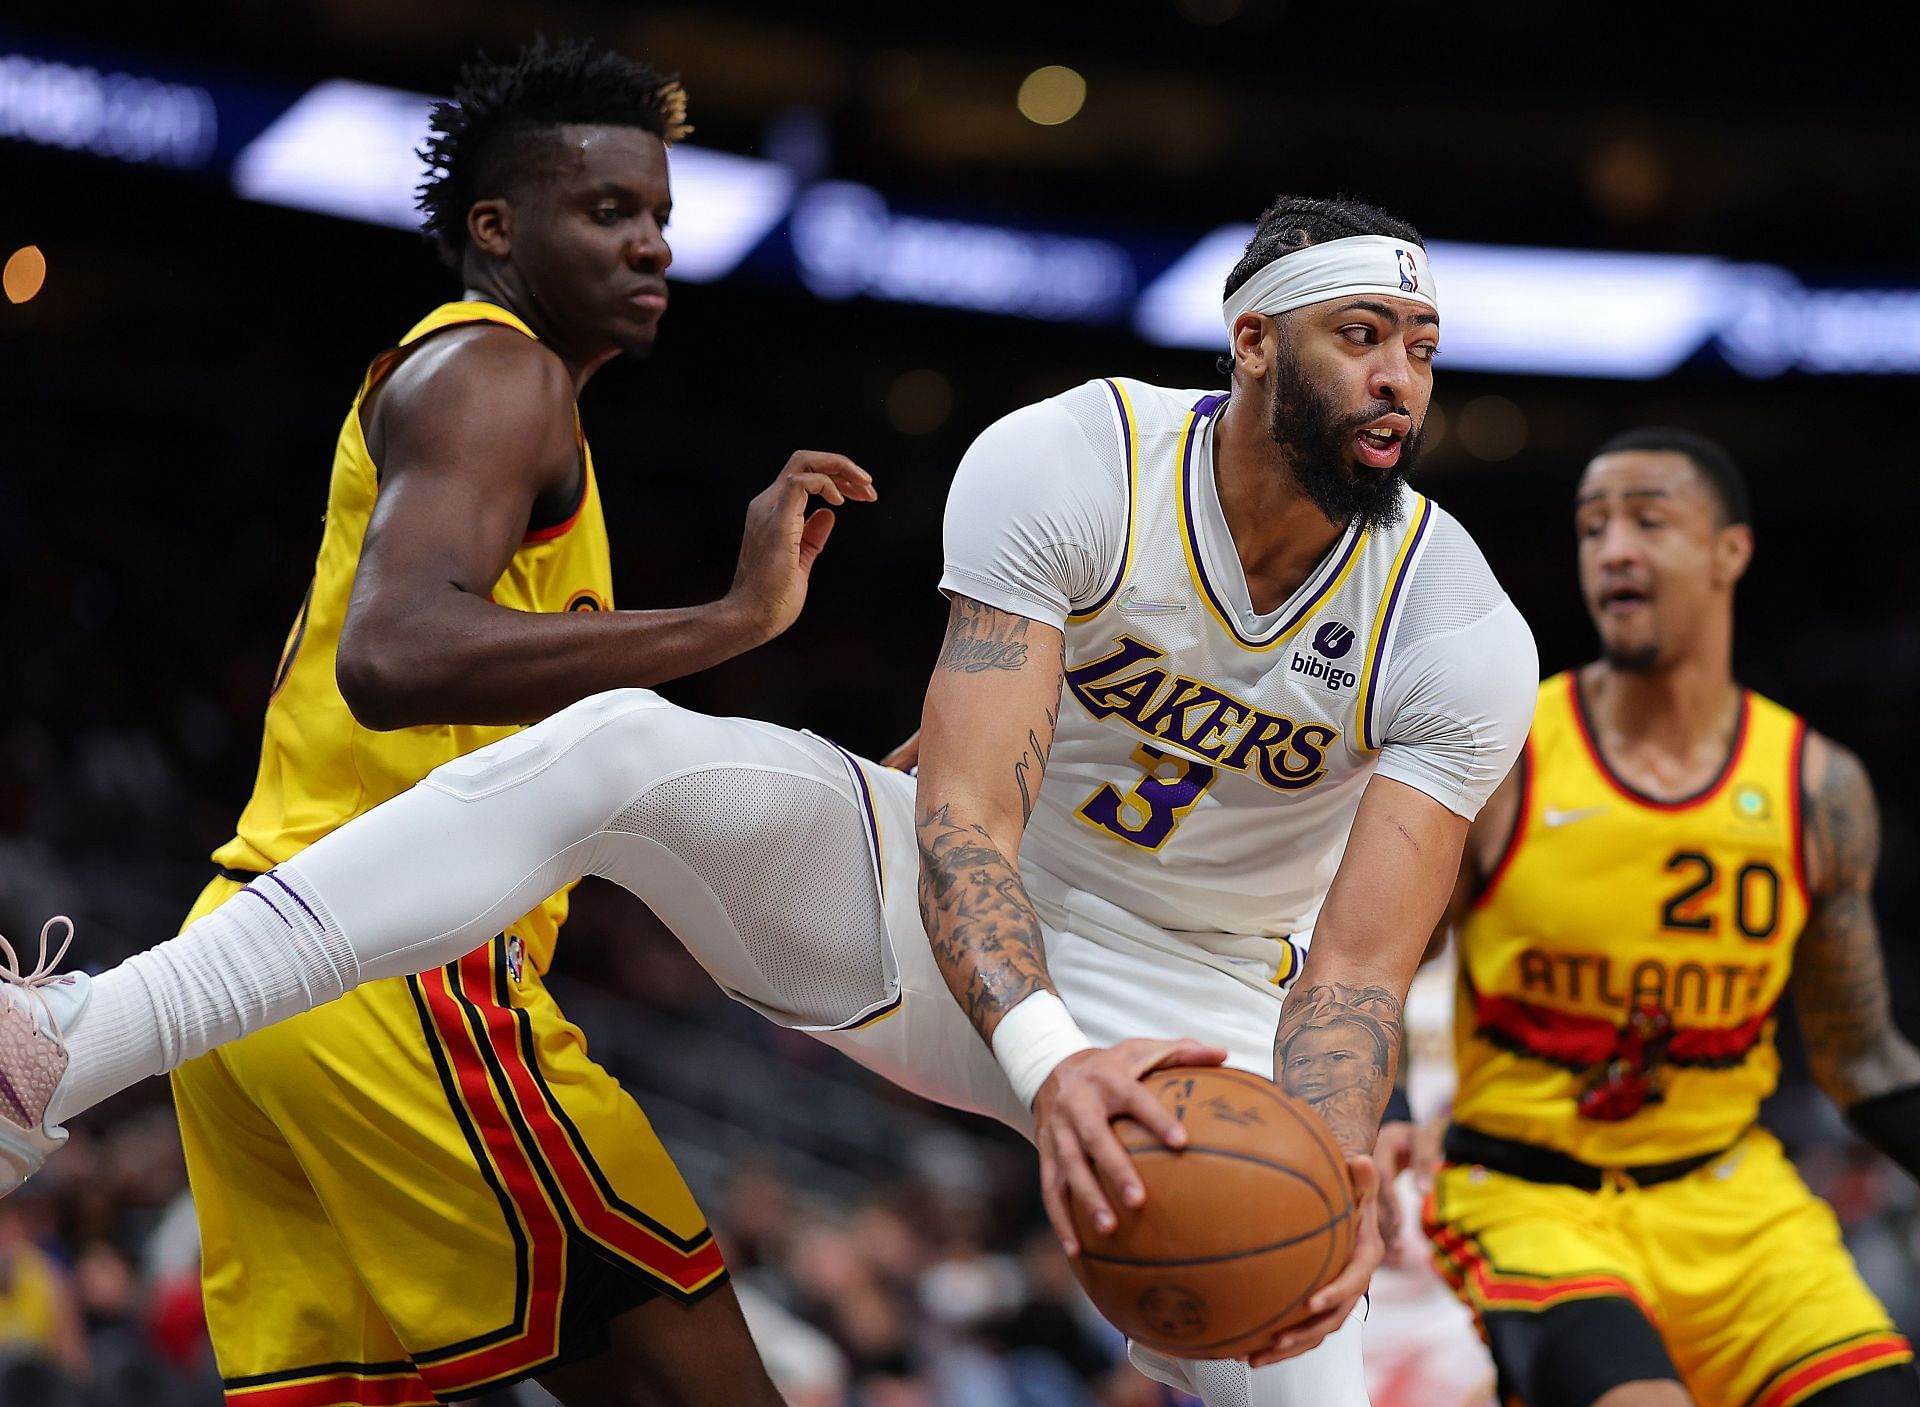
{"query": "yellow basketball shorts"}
pixel 1737 1265
pixel 422 1190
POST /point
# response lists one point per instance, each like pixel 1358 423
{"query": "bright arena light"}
pixel 123 116
pixel 344 148
pixel 1580 312
pixel 348 149
pixel 1052 95
pixel 1501 309
pixel 848 241
pixel 25 274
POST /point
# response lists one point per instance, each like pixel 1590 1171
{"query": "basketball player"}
pixel 463 588
pixel 1671 849
pixel 1214 676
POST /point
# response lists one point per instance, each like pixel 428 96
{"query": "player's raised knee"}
pixel 607 743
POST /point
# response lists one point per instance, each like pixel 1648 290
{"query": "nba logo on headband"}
pixel 1364 265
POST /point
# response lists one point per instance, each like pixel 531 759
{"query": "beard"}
pixel 1633 659
pixel 1310 428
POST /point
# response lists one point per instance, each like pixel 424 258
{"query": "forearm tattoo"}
pixel 1032 767
pixel 1840 981
pixel 980 638
pixel 1338 1048
pixel 985 934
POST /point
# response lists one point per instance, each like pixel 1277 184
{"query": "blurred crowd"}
pixel 100 1273
pixel 919 1295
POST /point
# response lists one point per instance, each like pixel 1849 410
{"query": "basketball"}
pixel 1239 1227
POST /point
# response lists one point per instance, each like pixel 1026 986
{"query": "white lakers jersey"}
pixel 1208 760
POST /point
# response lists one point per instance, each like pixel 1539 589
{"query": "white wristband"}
pixel 1033 1038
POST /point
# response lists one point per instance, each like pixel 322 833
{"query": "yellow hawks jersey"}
pixel 318 766
pixel 1621 971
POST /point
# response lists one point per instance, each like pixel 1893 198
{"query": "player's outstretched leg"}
pixel 718 823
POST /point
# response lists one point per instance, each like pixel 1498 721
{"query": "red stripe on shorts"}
pixel 538 1339
pixel 1492 1289
pixel 1849 1360
pixel 339 1390
pixel 686 1270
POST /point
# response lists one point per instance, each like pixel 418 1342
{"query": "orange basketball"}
pixel 1239 1227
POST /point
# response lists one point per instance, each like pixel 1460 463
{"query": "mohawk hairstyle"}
pixel 1293 222
pixel 487 139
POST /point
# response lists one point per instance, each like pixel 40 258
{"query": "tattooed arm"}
pixel 1338 1042
pixel 1840 984
pixel 985 735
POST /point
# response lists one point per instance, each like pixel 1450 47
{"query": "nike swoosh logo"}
pixel 1132 605
pixel 1555 818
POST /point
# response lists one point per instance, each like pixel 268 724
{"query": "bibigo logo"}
pixel 1331 641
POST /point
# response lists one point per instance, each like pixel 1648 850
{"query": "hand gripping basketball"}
pixel 1328 1307
pixel 1073 1118
pixel 1247 1228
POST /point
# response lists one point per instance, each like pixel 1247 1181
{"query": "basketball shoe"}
pixel 35 1009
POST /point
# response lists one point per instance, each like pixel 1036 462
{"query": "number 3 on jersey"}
pixel 1146 815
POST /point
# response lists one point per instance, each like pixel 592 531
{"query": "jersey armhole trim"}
pixel 1383 622
pixel 1797 803
pixel 420 334
pixel 1130 440
pixel 1516 834
pixel 565 525
pixel 383 365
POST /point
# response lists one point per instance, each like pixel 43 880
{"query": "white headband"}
pixel 1376 264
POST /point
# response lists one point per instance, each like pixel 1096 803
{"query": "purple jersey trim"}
pixel 1126 546
pixel 1203 409
pixel 1367 737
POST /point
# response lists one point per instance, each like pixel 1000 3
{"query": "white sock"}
pixel 270 952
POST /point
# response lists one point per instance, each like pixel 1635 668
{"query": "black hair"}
pixel 1712 462
pixel 1293 222
pixel 488 139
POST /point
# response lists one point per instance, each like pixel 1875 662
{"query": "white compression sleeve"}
pixel 416 882
pixel 268 953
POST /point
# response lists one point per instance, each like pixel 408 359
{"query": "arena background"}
pixel 910 257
